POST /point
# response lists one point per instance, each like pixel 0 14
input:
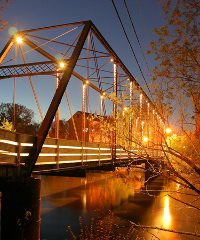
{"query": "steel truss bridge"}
pixel 133 122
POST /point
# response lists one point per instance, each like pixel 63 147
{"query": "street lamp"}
pixel 168 130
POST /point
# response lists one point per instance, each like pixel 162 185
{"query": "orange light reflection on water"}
pixel 166 216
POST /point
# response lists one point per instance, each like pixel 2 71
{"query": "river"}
pixel 65 199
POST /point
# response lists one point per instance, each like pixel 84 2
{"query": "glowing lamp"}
pixel 62 64
pixel 145 139
pixel 19 40
pixel 168 130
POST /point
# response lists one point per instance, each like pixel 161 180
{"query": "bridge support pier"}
pixel 20 209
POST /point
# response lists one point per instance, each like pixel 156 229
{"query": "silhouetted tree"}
pixel 24 122
pixel 63 129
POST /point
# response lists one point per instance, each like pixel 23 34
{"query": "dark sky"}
pixel 41 13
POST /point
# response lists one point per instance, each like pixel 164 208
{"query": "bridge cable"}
pixel 31 82
pixel 42 44
pixel 132 49
pixel 74 125
pixel 97 71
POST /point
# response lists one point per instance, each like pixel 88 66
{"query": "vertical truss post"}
pixel 101 118
pixel 58 110
pixel 130 113
pixel 141 118
pixel 157 135
pixel 43 131
pixel 148 120
pixel 14 92
pixel 154 131
pixel 115 71
pixel 136 131
pixel 83 113
pixel 160 134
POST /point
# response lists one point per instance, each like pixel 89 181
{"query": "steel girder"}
pixel 49 68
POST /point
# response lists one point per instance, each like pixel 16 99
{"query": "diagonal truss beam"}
pixel 6 49
pixel 43 131
pixel 42 68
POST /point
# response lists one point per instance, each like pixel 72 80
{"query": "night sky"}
pixel 35 14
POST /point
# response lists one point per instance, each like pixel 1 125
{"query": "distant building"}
pixel 91 132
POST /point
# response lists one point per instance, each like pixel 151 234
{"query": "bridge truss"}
pixel 84 54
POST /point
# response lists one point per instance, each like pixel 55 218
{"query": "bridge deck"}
pixel 56 154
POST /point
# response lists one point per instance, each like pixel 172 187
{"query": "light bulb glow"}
pixel 62 65
pixel 19 40
pixel 168 130
pixel 145 139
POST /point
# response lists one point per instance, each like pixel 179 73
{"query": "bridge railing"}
pixel 59 153
pixel 14 148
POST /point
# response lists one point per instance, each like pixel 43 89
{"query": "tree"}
pixel 6 125
pixel 176 88
pixel 3 8
pixel 63 129
pixel 176 82
pixel 24 122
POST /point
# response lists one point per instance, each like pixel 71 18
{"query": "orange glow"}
pixel 166 216
pixel 19 40
pixel 168 130
pixel 145 139
pixel 62 65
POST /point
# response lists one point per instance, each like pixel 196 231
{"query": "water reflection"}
pixel 166 216
pixel 64 199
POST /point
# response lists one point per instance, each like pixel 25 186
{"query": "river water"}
pixel 65 199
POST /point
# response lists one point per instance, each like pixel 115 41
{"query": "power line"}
pixel 137 37
pixel 132 49
pixel 144 30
